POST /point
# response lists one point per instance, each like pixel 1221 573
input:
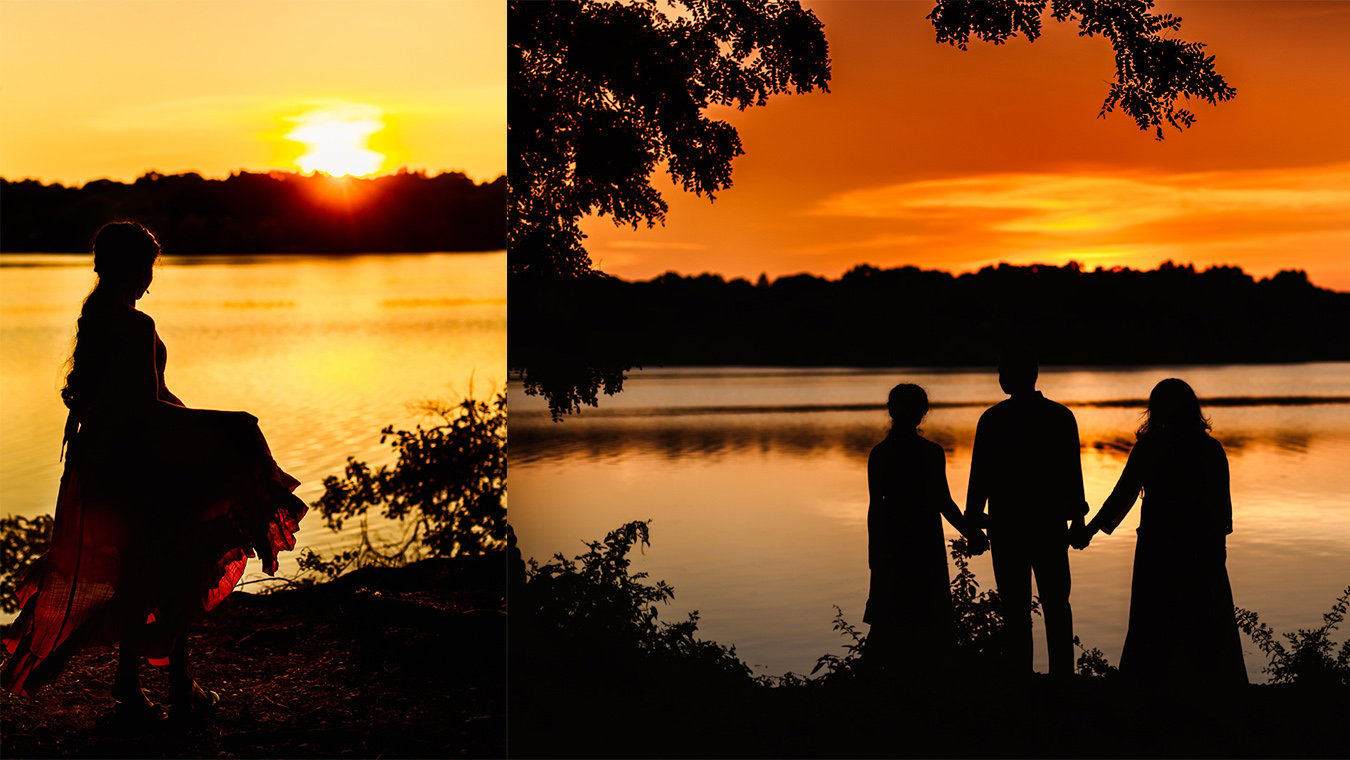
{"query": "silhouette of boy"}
pixel 1025 464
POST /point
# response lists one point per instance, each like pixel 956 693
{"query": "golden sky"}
pixel 114 88
pixel 923 154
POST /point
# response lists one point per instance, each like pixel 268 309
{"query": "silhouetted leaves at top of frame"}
pixel 601 93
pixel 1153 71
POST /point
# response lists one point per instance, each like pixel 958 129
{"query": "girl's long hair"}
pixel 121 250
pixel 1173 408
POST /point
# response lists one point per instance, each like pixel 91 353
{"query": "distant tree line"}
pixel 274 212
pixel 907 316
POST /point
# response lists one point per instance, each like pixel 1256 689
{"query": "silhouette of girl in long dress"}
pixel 909 604
pixel 1182 626
pixel 160 505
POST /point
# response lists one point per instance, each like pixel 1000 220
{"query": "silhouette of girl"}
pixel 1182 626
pixel 160 505
pixel 909 604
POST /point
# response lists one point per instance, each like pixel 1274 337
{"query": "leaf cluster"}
pixel 1311 657
pixel 976 615
pixel 22 541
pixel 595 611
pixel 602 93
pixel 834 667
pixel 1154 71
pixel 448 482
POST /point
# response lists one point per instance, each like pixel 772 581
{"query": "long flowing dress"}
pixel 909 604
pixel 159 509
pixel 1182 626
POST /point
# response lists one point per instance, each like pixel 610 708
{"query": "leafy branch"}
pixel 1311 656
pixel 448 487
pixel 1153 70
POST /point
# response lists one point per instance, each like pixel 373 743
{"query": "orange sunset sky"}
pixel 116 88
pixel 926 155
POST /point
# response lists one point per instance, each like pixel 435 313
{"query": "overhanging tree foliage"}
pixel 1153 71
pixel 601 93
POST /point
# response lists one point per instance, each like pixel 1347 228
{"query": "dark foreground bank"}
pixel 1088 717
pixel 405 662
pixel 595 673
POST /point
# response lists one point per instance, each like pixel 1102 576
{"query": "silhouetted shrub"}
pixel 1311 657
pixel 22 541
pixel 449 481
pixel 594 612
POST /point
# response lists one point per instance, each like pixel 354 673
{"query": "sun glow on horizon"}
pixel 335 138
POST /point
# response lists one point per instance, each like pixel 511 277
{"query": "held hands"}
pixel 971 527
pixel 977 542
pixel 1080 536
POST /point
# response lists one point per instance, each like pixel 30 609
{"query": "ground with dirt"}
pixel 404 662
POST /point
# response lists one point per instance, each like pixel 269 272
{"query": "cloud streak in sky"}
pixel 1084 203
pixel 1134 217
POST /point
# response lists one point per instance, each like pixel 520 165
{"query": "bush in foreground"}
pixel 449 483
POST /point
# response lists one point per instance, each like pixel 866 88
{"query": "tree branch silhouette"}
pixel 1153 71
pixel 602 93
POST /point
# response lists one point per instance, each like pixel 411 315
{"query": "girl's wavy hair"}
pixel 121 250
pixel 1173 407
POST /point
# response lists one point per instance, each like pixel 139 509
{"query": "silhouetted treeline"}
pixel 913 317
pixel 275 212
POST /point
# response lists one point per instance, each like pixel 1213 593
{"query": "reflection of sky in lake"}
pixel 325 351
pixel 760 516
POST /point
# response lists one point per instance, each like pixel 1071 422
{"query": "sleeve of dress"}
pixel 942 491
pixel 1225 494
pixel 1126 492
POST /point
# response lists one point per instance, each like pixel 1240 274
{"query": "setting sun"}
pixel 335 139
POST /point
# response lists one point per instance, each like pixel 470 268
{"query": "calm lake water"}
pixel 325 351
pixel 755 481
